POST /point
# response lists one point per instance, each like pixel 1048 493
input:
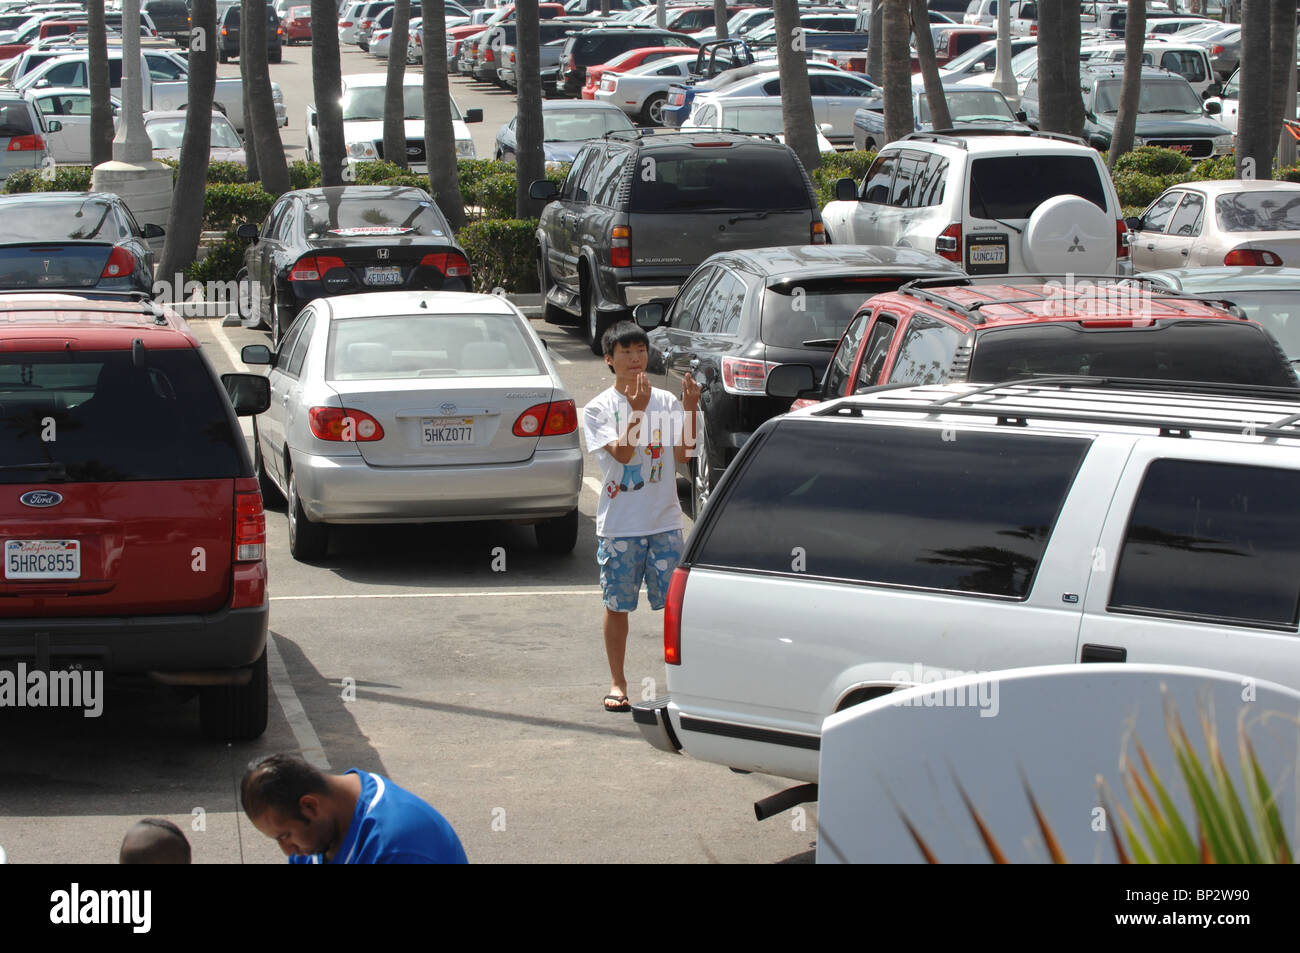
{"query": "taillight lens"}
pixel 1121 238
pixel 620 247
pixel 250 528
pixel 554 419
pixel 1216 49
pixel 1251 256
pixel 314 267
pixel 345 23
pixel 740 376
pixel 120 264
pixel 344 424
pixel 488 55
pixel 803 402
pixel 818 233
pixel 673 616
pixel 26 143
pixel 1033 29
pixel 451 264
pixel 948 243
pixel 224 31
pixel 607 85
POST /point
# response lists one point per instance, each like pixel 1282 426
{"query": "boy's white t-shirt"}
pixel 638 498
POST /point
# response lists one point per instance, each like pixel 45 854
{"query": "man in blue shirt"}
pixel 354 818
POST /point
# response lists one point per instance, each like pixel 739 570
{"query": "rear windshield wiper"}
pixel 57 471
pixel 748 218
pixel 822 342
pixel 984 205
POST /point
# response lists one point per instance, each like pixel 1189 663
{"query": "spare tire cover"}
pixel 1068 234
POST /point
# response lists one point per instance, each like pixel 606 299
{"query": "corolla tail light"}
pixel 553 419
pixel 34 143
pixel 344 424
pixel 1251 256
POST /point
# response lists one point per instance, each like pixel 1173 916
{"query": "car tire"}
pixel 594 326
pixel 236 712
pixel 275 57
pixel 307 540
pixel 551 313
pixel 279 321
pixel 652 113
pixel 558 536
pixel 272 498
pixel 702 477
pixel 222 57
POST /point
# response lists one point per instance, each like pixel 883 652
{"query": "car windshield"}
pixel 575 125
pixel 170 133
pixel 366 103
pixel 83 219
pixel 1262 211
pixel 971 106
pixel 374 215
pixel 429 345
pixel 1158 96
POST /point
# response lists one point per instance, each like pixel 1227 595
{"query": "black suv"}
pixel 594 47
pixel 640 210
pixel 228 28
pixel 171 18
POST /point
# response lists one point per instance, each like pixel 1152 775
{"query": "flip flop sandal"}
pixel 621 706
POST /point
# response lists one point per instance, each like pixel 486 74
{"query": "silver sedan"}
pixel 416 407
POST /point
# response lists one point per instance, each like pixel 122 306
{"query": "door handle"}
pixel 1151 246
pixel 1185 252
pixel 1103 653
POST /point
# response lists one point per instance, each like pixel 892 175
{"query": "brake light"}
pixel 620 247
pixel 677 99
pixel 26 143
pixel 1251 256
pixel 1121 238
pixel 555 419
pixel 948 243
pixel 345 23
pixel 314 267
pixel 710 145
pixel 250 528
pixel 740 376
pixel 608 85
pixel 365 24
pixel 120 264
pixel 1033 29
pixel 344 424
pixel 488 55
pixel 673 616
pixel 279 30
pixel 224 31
pixel 803 402
pixel 452 264
pixel 818 233
pixel 1216 49
pixel 1117 323
pixel 248 568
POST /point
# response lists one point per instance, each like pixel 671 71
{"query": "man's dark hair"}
pixel 154 840
pixel 625 333
pixel 280 781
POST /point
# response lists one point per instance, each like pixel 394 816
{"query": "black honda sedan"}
pixel 74 241
pixel 347 239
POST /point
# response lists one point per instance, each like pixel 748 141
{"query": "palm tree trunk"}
pixel 1053 110
pixel 720 19
pixel 439 137
pixel 875 40
pixel 327 88
pixel 530 157
pixel 1130 90
pixel 250 141
pixel 796 95
pixel 940 118
pixel 185 223
pixel 1282 70
pixel 1071 38
pixel 394 94
pixel 896 66
pixel 101 108
pixel 1254 134
pixel 271 164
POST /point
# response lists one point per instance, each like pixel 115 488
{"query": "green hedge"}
pixel 222 262
pixel 841 165
pixel 502 254
pixel 67 178
pixel 1152 160
pixel 227 204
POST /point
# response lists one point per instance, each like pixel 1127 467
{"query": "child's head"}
pixel 626 347
pixel 154 840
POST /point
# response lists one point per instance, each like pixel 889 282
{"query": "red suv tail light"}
pixel 620 247
pixel 26 143
pixel 555 419
pixel 314 267
pixel 673 617
pixel 250 528
pixel 120 264
pixel 740 376
pixel 1121 238
pixel 948 243
pixel 248 567
pixel 1251 256
pixel 451 264
pixel 344 424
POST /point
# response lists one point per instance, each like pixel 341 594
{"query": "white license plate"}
pixel 439 431
pixel 384 275
pixel 42 559
pixel 988 254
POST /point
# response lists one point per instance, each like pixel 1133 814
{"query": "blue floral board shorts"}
pixel 626 560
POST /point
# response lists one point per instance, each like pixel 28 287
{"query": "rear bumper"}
pixel 348 490
pixel 219 643
pixel 652 719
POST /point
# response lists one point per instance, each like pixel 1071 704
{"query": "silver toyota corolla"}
pixel 417 407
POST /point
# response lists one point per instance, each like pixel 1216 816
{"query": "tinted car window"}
pixel 374 215
pixel 874 354
pixel 911 166
pixel 686 311
pixel 925 356
pixel 876 183
pixel 1217 351
pixel 1258 212
pixel 1187 221
pixel 608 179
pixel 837 372
pixel 896 506
pixel 112 420
pixel 1013 186
pixel 15 119
pixel 283 356
pixel 801 311
pixel 1213 540
pixel 1158 215
pixel 412 346
pixel 720 313
pixel 89 219
pixel 703 179
pixel 300 346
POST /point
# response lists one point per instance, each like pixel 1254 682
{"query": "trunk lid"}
pixel 53 264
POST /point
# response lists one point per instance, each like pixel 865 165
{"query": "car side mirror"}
pixel 1134 224
pixel 151 230
pixel 53 125
pixel 313 119
pixel 249 393
pixel 473 115
pixel 543 190
pixel 1022 116
pixel 247 231
pixel 649 316
pixel 827 128
pixel 1213 108
pixel 791 381
pixel 846 190
pixel 255 354
pixel 978 68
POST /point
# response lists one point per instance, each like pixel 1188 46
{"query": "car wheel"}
pixel 558 536
pixel 595 325
pixel 272 498
pixel 274 57
pixel 236 712
pixel 222 57
pixel 652 113
pixel 702 478
pixel 273 318
pixel 307 540
pixel 551 313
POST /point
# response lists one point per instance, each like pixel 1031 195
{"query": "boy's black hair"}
pixel 625 333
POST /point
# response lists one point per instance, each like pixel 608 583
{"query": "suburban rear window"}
pixel 432 346
pixel 1013 186
pixel 106 420
pixel 896 506
pixel 799 312
pixel 1212 351
pixel 1215 541
pixel 718 178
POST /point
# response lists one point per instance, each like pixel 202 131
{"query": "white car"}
pixel 752 114
pixel 978 62
pixel 380 41
pixel 1188 60
pixel 70 107
pixel 166 132
pixel 363 121
pixel 1227 101
pixel 350 22
pixel 981 13
pixel 1169 26
pixel 1220 222
pixel 642 91
pixel 1024 67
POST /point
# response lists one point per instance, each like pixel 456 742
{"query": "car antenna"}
pixel 137 352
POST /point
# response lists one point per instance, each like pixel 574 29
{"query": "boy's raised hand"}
pixel 690 393
pixel 639 395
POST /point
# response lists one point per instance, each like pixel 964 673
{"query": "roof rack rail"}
pixel 957 137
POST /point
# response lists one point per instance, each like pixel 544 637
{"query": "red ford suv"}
pixel 132 525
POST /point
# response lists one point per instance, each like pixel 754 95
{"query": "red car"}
pixel 130 515
pixel 297 25
pixel 624 62
pixel 952 40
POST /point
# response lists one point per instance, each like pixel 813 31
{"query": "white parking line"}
pixel 461 594
pixel 309 746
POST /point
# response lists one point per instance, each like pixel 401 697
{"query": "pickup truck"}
pixel 165 87
pixel 713 58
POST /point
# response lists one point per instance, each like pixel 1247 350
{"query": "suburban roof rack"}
pixel 642 132
pixel 86 301
pixel 957 137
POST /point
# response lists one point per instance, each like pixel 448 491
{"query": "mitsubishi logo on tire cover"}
pixel 1075 245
